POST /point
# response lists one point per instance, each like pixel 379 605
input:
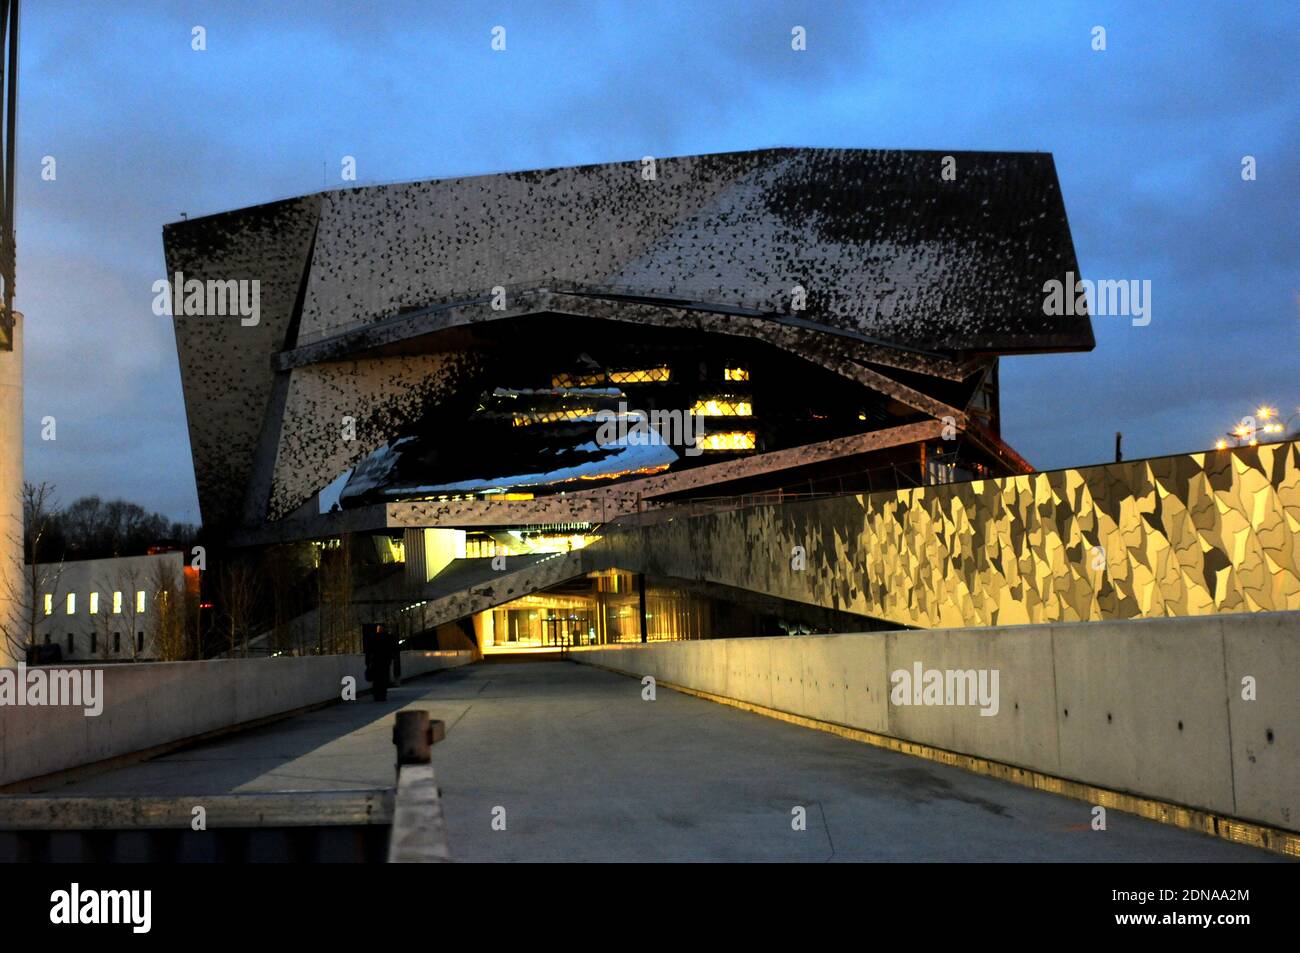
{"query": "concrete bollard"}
pixel 418 834
pixel 414 734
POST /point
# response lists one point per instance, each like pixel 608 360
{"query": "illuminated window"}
pixel 117 602
pixel 49 604
pixel 564 381
pixel 551 416
pixel 723 407
pixel 139 600
pixel 736 374
pixel 72 603
pixel 736 440
pixel 645 375
pixel 94 602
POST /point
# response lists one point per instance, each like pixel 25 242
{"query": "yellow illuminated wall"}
pixel 723 407
pixel 645 375
pixel 1187 535
pixel 1195 534
pixel 727 441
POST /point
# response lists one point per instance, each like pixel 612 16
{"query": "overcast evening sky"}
pixel 1148 138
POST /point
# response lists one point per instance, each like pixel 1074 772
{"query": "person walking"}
pixel 379 648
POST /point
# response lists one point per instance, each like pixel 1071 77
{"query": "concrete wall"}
pixel 1150 707
pixel 157 703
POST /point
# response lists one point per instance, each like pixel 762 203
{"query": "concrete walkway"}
pixel 583 769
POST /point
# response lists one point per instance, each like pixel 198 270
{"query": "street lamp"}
pixel 1247 432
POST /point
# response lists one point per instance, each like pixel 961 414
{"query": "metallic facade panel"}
pixel 902 268
pixel 880 241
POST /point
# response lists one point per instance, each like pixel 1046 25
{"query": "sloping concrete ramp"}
pixel 552 761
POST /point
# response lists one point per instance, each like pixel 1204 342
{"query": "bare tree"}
pixel 238 590
pixel 293 597
pixel 93 529
pixel 124 610
pixel 27 601
pixel 131 581
pixel 169 612
pixel 336 618
pixel 103 623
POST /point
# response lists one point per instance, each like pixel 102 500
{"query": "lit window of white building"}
pixel 94 602
pixel 139 600
pixel 49 603
pixel 72 603
pixel 117 603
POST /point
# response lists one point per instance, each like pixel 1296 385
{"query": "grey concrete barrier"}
pixel 294 826
pixel 151 705
pixel 1202 712
pixel 419 833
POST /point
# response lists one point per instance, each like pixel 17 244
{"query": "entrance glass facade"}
pixel 605 609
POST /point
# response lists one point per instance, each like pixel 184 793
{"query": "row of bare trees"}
pixel 291 598
pixel 93 528
pixel 170 613
pixel 300 598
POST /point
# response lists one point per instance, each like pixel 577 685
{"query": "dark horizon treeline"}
pixel 93 528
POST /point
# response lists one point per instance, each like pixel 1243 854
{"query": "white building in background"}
pixel 107 609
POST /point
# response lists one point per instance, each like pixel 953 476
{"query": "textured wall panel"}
pixel 1185 535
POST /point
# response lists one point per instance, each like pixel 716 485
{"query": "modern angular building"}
pixel 512 364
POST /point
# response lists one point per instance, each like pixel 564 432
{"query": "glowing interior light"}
pixel 723 407
pixel 646 375
pixel 552 416
pixel 566 381
pixel 735 440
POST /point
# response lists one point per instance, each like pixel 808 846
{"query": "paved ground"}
pixel 586 770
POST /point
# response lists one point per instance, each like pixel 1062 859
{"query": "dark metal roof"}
pixel 900 266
